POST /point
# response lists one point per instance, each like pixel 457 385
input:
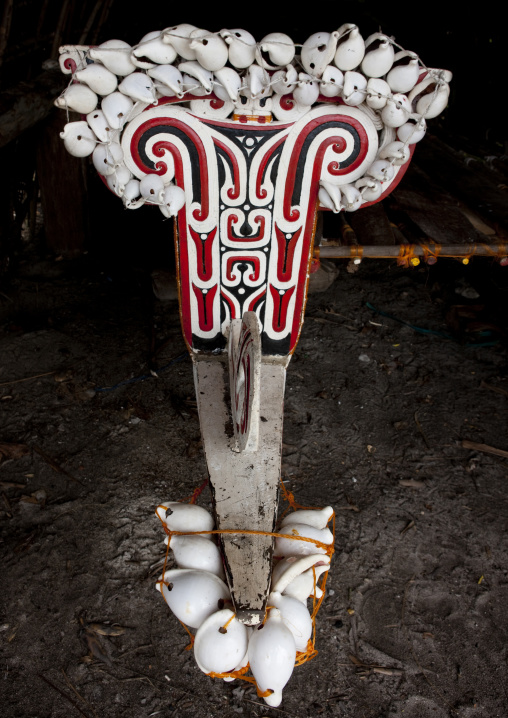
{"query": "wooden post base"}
pixel 244 484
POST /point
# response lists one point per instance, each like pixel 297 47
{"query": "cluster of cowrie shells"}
pixel 198 596
pixel 114 82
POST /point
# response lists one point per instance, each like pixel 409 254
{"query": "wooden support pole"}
pixel 5 27
pixel 62 182
pixel 388 252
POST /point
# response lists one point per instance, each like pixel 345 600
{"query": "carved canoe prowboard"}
pixel 245 190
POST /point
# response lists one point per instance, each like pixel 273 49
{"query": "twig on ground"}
pixel 374 668
pixel 387 671
pixel 408 526
pixel 135 649
pixel 485 448
pixel 59 690
pixel 497 389
pixel 25 543
pixel 137 676
pixel 354 633
pixel 28 378
pixel 76 692
pixel 419 427
pixel 7 505
pixel 412 483
pixel 54 465
pixel 337 697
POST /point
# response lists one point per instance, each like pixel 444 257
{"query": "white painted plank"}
pixel 245 484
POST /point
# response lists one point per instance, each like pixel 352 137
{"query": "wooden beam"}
pixel 440 221
pixel 475 185
pixel 26 104
pixel 373 223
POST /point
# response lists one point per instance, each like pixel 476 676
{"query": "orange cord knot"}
pixel 315 261
pixel 356 253
pixel 264 694
pixel 467 257
pixel 307 655
pixel 502 255
pixel 224 628
pixel 430 255
pixel 191 637
pixel 197 492
pixel 407 256
pixel 240 673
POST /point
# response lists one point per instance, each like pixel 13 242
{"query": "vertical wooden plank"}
pixel 372 226
pixel 5 27
pixel 62 181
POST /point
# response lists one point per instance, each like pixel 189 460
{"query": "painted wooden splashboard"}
pixel 242 147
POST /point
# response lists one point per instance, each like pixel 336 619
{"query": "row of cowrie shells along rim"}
pixel 137 90
pixel 324 58
pixel 345 48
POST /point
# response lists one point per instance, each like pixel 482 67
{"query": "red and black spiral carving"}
pixel 174 128
pixel 300 150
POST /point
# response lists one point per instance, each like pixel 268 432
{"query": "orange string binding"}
pixel 467 257
pixel 430 256
pixel 407 256
pixel 502 253
pixel 356 253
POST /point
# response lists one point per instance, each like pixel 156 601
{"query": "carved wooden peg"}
pixel 244 349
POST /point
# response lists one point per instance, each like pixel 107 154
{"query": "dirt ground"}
pixel 99 426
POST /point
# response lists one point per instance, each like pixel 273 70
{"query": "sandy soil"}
pixel 415 618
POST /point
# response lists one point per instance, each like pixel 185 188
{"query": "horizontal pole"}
pixel 406 252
